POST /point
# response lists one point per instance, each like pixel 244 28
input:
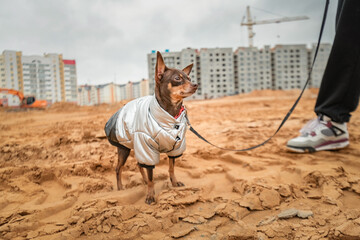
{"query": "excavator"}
pixel 25 102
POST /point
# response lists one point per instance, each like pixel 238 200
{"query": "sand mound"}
pixel 63 106
pixel 57 177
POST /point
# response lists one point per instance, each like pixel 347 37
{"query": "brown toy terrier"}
pixel 153 124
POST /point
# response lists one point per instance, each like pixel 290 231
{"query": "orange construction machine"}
pixel 25 102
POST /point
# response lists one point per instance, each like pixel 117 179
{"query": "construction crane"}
pixel 250 23
pixel 25 102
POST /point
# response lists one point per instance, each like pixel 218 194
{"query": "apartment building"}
pixel 57 75
pixel 252 69
pixel 171 59
pixel 38 78
pixel 111 93
pixel 144 87
pixel 121 92
pixel 221 72
pixel 129 90
pixel 264 67
pixel 290 66
pixel 106 93
pixel 11 74
pixel 87 95
pixel 136 90
pixel 70 81
pixel 191 56
pixel 177 60
pixel 217 72
pixel 320 64
pixel 48 77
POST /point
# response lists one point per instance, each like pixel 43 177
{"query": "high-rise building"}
pixel 46 77
pixel 217 72
pixel 178 60
pixel 264 67
pixel 11 74
pixel 39 78
pixel 320 64
pixel 221 72
pixel 171 59
pixel 70 80
pixel 57 71
pixel 218 60
pixel 290 66
pixel 252 69
pixel 191 56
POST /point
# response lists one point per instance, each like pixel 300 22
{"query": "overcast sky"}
pixel 110 40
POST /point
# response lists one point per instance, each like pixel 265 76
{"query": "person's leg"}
pixel 340 88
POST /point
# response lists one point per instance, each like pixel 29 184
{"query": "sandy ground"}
pixel 57 177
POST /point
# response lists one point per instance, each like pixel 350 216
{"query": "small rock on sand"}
pixel 288 213
pixel 304 214
pixel 293 212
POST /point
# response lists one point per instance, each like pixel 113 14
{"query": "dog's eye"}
pixel 177 78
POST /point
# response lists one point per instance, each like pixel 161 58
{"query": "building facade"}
pixel 136 93
pixel 217 72
pixel 178 60
pixel 87 95
pixel 171 59
pixel 70 81
pixel 48 77
pixel 111 93
pixel 290 66
pixel 221 72
pixel 144 87
pixel 320 64
pixel 11 74
pixel 39 79
pixel 252 69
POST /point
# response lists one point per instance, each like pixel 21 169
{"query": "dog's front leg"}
pixel 173 179
pixel 150 198
pixel 123 154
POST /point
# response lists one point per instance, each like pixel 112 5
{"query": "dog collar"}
pixel 181 110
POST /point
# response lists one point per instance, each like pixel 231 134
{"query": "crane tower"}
pixel 249 23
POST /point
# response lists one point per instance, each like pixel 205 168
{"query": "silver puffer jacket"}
pixel 143 125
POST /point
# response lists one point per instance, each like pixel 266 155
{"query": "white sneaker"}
pixel 320 134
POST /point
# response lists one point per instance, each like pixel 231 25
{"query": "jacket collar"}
pixel 162 117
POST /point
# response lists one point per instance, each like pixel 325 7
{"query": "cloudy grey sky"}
pixel 111 38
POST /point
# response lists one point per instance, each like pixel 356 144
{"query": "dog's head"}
pixel 172 82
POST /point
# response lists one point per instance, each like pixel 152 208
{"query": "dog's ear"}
pixel 187 70
pixel 160 67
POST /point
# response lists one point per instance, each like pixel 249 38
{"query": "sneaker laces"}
pixel 311 126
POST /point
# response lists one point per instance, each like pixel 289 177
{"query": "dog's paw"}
pixel 119 188
pixel 150 200
pixel 178 184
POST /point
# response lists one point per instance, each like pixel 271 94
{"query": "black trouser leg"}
pixel 340 88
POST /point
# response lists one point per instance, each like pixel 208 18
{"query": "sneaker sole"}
pixel 330 145
pixel 301 149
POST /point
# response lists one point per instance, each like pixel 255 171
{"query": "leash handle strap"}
pixel 291 109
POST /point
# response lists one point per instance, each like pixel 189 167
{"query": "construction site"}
pixel 57 167
pixel 57 176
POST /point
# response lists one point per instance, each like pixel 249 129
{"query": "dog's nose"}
pixel 194 85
